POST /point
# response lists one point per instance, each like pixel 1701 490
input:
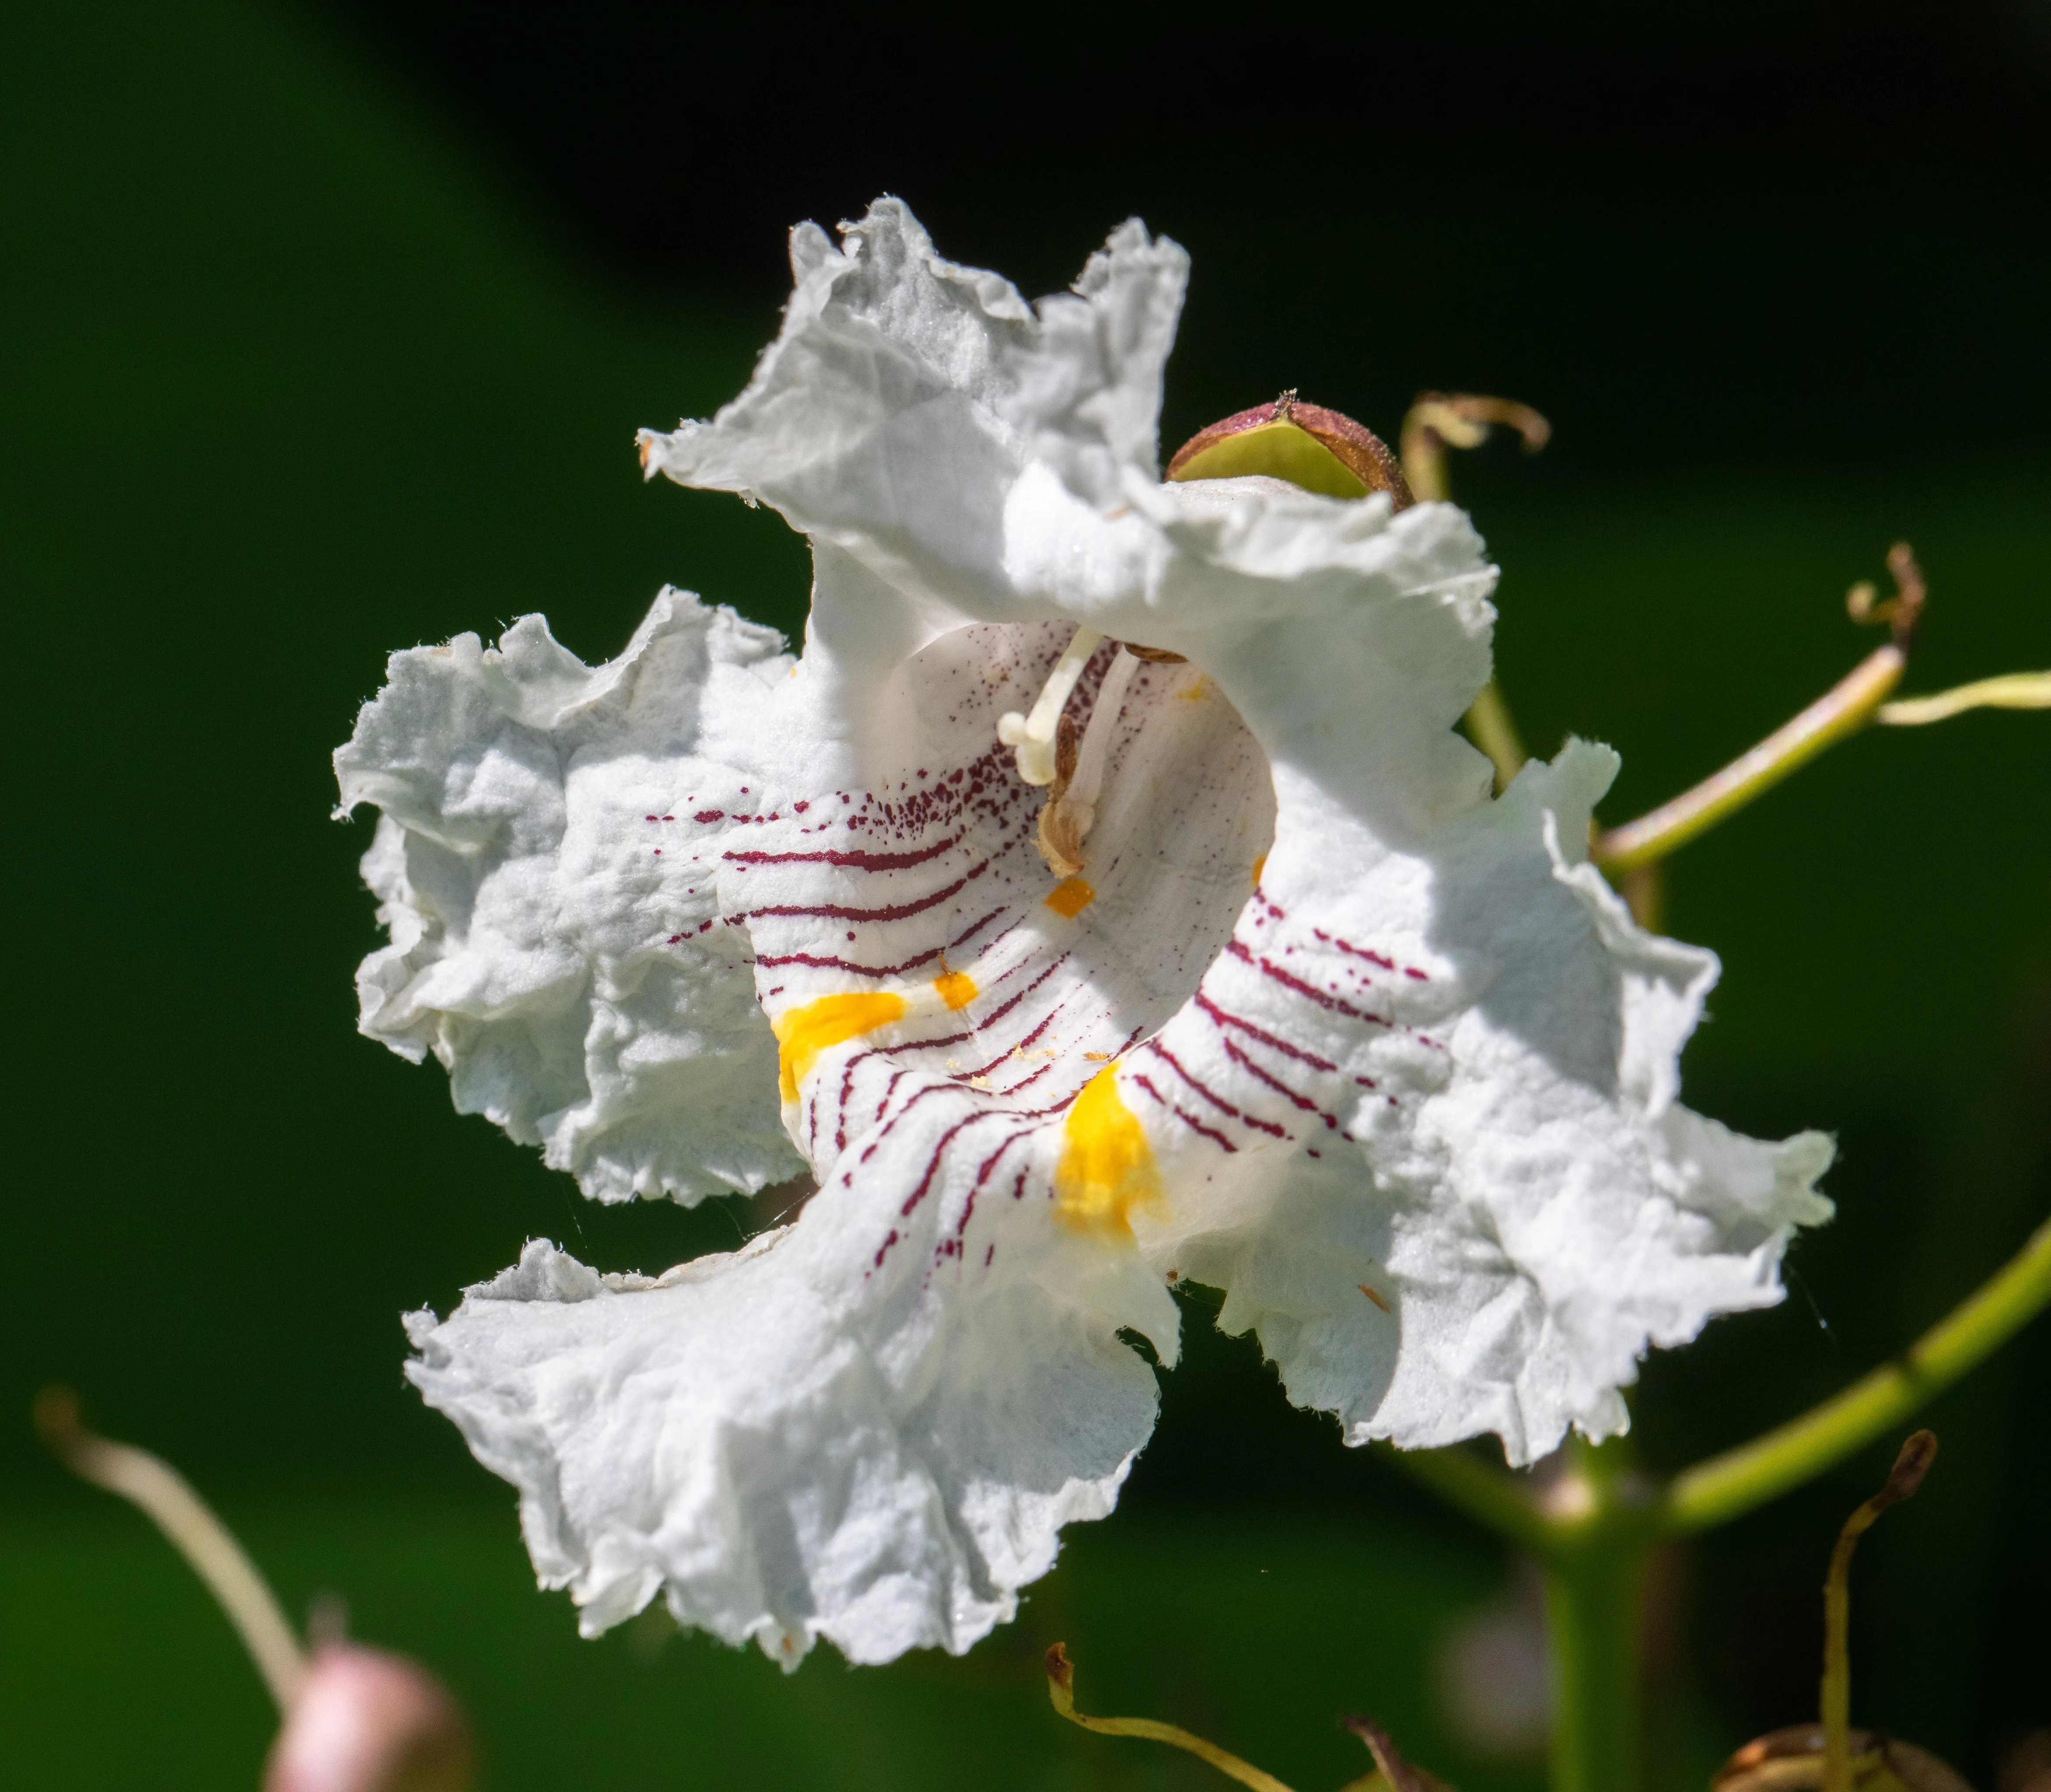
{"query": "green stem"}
pixel 1727 1486
pixel 1592 1529
pixel 1842 710
pixel 1598 1513
pixel 1590 1536
pixel 1436 422
pixel 1591 1632
pixel 1489 726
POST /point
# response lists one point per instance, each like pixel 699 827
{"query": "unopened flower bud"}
pixel 1309 446
pixel 367 1721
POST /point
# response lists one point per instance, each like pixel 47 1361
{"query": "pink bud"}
pixel 366 1721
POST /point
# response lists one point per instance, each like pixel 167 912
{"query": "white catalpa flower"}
pixel 1264 992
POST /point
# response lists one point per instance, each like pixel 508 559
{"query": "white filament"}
pixel 1033 735
pixel 1079 801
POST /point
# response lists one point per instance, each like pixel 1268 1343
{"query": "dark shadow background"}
pixel 324 329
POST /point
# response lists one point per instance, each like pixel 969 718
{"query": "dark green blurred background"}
pixel 324 331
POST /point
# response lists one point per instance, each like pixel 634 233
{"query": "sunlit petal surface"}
pixel 1317 1022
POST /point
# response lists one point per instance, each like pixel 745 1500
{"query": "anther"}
pixel 1033 735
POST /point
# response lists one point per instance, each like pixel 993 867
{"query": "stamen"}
pixel 1070 811
pixel 1034 734
pixel 1095 753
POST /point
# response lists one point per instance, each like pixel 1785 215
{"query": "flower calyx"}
pixel 1321 450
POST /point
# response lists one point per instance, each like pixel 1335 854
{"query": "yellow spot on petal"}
pixel 956 988
pixel 1196 690
pixel 1259 865
pixel 1070 897
pixel 804 1031
pixel 1107 1168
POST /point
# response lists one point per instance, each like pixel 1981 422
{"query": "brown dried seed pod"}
pixel 1791 1759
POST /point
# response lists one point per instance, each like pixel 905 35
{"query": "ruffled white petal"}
pixel 906 397
pixel 547 864
pixel 793 1450
pixel 1383 1058
pixel 1508 1207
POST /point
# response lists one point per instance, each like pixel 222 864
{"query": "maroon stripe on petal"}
pixel 1182 1114
pixel 1274 1083
pixel 976 927
pixel 939 1150
pixel 1266 1038
pixel 815 962
pixel 835 912
pixel 1210 1094
pixel 857 859
pixel 1239 951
